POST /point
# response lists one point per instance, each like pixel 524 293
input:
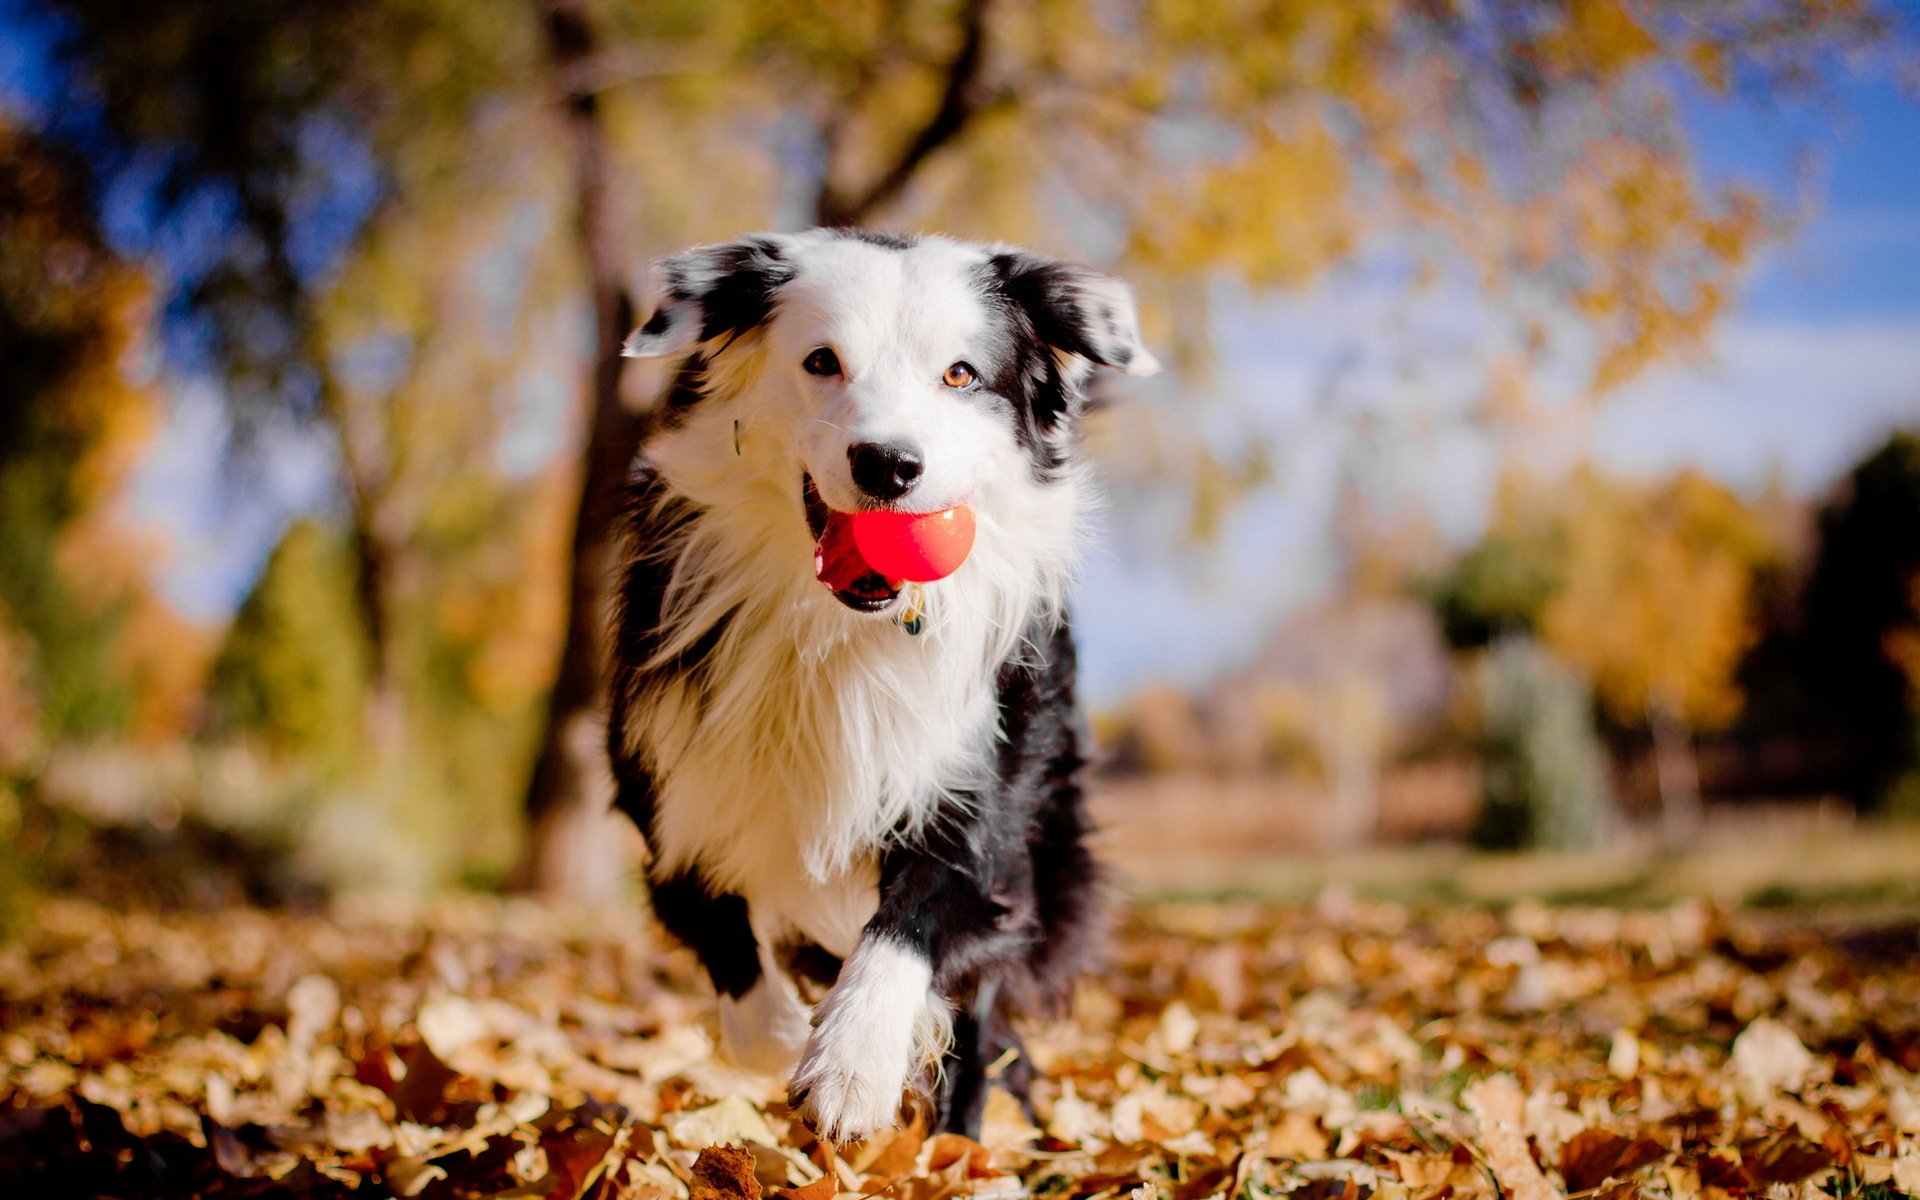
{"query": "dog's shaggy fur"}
pixel 829 801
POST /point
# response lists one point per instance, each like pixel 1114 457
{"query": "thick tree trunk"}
pixel 574 843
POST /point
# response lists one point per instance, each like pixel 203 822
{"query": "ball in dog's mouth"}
pixel 837 561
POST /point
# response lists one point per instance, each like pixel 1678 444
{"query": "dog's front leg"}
pixel 886 1016
pixel 876 1023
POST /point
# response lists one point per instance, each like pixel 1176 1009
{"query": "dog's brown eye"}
pixel 959 375
pixel 822 362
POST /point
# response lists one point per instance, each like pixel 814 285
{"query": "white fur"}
pixel 878 1024
pixel 765 1029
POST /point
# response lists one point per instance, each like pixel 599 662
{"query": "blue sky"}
pixel 1821 356
pixel 1818 360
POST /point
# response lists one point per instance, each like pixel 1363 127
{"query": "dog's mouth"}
pixel 837 562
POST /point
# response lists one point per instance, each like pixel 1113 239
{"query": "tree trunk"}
pixel 574 842
pixel 379 544
pixel 1679 776
pixel 963 97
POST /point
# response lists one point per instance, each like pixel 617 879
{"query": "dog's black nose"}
pixel 884 470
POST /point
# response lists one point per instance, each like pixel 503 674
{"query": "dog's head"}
pixel 862 372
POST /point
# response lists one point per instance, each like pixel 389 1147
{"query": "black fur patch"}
pixel 653 523
pixel 1049 294
pixel 688 389
pixel 657 323
pixel 747 275
pixel 889 241
pixel 1022 368
pixel 714 926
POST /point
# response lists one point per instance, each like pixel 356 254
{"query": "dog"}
pixel 869 829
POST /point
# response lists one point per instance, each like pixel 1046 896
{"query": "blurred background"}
pixel 1533 504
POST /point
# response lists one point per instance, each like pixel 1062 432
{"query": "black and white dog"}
pixel 837 811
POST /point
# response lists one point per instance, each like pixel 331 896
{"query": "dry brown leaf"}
pixel 824 1188
pixel 887 1156
pixel 946 1149
pixel 1768 1058
pixel 1357 1024
pixel 1785 1157
pixel 577 1159
pixel 724 1173
pixel 1500 1107
pixel 1297 1135
pixel 1593 1156
pixel 418 1093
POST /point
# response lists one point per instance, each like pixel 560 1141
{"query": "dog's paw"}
pixel 764 1030
pixel 870 1031
pixel 848 1090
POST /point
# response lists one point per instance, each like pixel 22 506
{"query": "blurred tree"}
pixel 1649 590
pixel 91 650
pixel 1546 769
pixel 256 140
pixel 1532 140
pixel 293 671
pixel 1503 581
pixel 1847 649
pixel 88 650
pixel 1157 731
pixel 1902 645
pixel 1656 605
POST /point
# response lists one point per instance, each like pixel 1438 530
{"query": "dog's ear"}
pixel 708 292
pixel 1077 310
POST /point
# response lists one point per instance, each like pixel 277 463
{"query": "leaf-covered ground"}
pixel 1345 1050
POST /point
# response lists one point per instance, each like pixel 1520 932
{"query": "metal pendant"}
pixel 913 616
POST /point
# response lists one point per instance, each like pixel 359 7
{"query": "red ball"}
pixel 919 547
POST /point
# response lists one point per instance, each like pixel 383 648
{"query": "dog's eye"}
pixel 822 362
pixel 959 375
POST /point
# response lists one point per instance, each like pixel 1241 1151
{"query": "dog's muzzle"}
pixel 836 560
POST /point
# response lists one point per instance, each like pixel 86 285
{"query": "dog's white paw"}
pixel 868 1034
pixel 764 1030
pixel 846 1092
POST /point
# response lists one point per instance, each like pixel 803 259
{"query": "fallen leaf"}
pixel 1768 1058
pixel 724 1173
pixel 1593 1156
pixel 733 1119
pixel 1785 1157
pixel 948 1148
pixel 824 1188
pixel 1499 1105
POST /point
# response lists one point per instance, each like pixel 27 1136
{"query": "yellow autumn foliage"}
pixel 90 645
pixel 1655 593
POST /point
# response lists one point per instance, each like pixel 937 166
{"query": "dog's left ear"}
pixel 712 291
pixel 1077 310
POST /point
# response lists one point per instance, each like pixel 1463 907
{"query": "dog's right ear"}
pixel 712 291
pixel 1078 310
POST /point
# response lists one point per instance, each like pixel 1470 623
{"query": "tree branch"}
pixel 963 99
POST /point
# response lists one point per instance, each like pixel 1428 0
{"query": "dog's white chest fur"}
pixel 808 737
pixel 783 779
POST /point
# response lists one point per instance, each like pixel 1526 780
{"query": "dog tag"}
pixel 912 616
